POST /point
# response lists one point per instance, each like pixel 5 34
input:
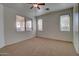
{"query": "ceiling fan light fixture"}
pixel 35 5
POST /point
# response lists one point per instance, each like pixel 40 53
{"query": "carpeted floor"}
pixel 39 47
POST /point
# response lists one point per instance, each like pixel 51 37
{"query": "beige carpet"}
pixel 40 47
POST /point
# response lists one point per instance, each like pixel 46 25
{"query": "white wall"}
pixel 2 42
pixel 76 28
pixel 51 26
pixel 11 36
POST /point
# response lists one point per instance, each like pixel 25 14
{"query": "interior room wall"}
pixel 51 26
pixel 76 27
pixel 2 41
pixel 11 35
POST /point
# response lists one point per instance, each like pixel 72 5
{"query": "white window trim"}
pixel 67 30
pixel 39 25
pixel 24 24
pixel 31 29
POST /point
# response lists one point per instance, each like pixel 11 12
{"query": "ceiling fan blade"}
pixel 41 3
pixel 31 7
pixel 38 7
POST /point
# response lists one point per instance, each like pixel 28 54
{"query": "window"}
pixel 28 25
pixel 65 23
pixel 20 23
pixel 40 25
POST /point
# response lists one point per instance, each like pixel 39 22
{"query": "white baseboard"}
pixel 19 41
pixel 53 38
pixel 2 46
pixel 77 50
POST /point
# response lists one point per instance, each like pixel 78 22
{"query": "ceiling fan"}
pixel 37 5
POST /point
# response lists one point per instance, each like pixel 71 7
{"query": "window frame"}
pixel 69 23
pixel 38 25
pixel 27 19
pixel 24 22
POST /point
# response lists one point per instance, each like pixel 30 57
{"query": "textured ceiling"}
pixel 35 12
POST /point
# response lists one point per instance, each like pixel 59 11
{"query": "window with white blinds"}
pixel 65 23
pixel 40 25
pixel 20 23
pixel 28 25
